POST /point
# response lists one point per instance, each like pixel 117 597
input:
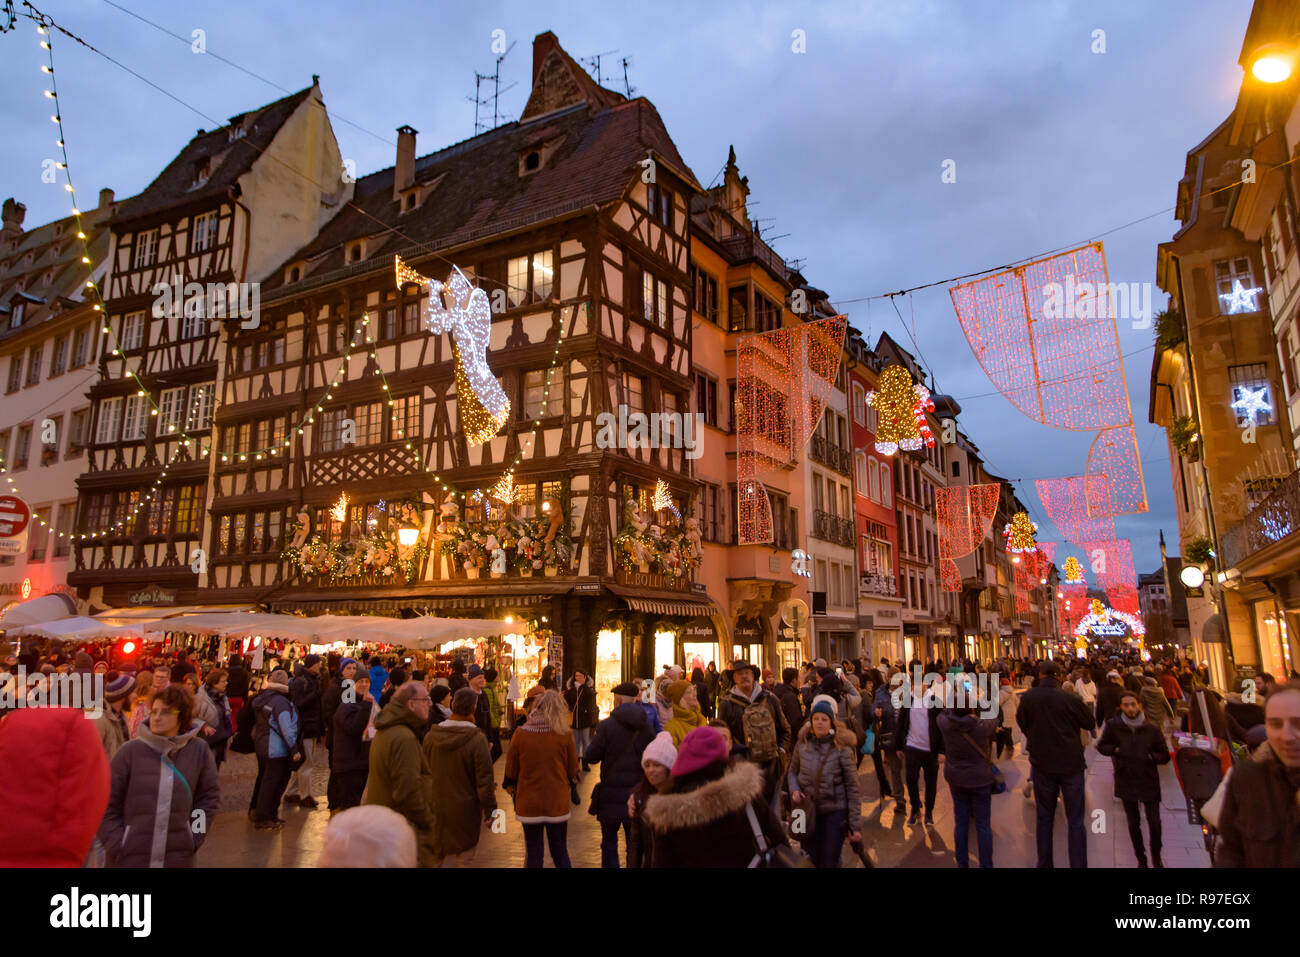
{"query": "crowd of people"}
pixel 722 768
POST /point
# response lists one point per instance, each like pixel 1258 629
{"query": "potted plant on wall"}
pixel 1184 433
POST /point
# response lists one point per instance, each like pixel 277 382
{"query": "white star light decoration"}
pixel 1240 299
pixel 1251 403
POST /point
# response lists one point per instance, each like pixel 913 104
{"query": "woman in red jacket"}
pixel 541 768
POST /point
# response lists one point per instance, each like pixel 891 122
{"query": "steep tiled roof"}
pixel 230 159
pixel 478 189
pixel 55 271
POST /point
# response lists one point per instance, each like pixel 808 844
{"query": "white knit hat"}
pixel 661 750
pixel 829 700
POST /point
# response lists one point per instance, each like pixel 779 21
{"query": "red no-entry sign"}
pixel 14 516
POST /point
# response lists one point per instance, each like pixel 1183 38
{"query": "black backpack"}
pixel 242 741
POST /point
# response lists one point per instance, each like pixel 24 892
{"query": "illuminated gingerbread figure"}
pixel 902 406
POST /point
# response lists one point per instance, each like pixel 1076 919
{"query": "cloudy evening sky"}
pixel 843 145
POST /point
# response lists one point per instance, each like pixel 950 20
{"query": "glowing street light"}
pixel 1273 62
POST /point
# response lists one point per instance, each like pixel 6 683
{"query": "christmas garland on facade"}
pixel 673 551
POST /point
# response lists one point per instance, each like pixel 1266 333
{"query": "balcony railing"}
pixel 832 528
pixel 832 456
pixel 1269 522
pixel 745 246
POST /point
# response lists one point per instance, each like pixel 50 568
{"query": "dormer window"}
pixel 355 252
pixel 532 161
pixel 410 200
pixel 294 274
pixel 16 314
pixel 202 170
pixel 237 130
pixel 538 151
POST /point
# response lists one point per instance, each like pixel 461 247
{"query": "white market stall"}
pixel 79 628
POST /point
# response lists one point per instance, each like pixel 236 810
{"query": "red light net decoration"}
pixel 784 379
pixel 1071 606
pixel 1114 473
pixel 1045 335
pixel 1066 501
pixel 1031 571
pixel 1112 562
pixel 965 516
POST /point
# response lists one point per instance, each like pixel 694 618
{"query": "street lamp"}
pixel 1273 62
pixel 1193 576
pixel 407 536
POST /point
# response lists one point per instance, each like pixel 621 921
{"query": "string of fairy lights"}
pixel 503 488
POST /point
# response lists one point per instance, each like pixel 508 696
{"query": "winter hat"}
pixel 676 690
pixel 699 749
pixel 661 750
pixel 279 677
pixel 464 702
pixel 345 662
pixel 117 686
pixel 536 691
pixel 823 704
pixel 675 671
pixel 1112 674
pixel 626 690
pixel 474 671
pixel 311 661
pixel 83 662
pixel 417 675
pixel 820 662
pixel 831 684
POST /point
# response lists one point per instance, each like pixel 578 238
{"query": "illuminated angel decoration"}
pixel 484 407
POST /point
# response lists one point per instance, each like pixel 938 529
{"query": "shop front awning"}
pixel 502 598
pixel 419 633
pixel 151 613
pixel 668 606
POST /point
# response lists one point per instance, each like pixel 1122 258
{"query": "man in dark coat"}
pixel 1137 749
pixel 1051 719
pixel 349 749
pixel 617 747
pixel 330 703
pixel 789 697
pixel 236 687
pixel 305 692
pixel 1108 697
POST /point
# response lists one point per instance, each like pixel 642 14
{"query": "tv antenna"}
pixel 593 65
pixel 628 88
pixel 481 101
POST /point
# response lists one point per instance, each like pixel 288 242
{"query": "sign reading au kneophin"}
pixel 15 517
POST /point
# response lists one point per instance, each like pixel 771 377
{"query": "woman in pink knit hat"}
pixel 704 818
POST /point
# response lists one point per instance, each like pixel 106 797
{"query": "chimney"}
pixel 105 198
pixel 404 171
pixel 11 233
pixel 543 44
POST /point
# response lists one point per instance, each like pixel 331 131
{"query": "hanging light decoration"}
pixel 1020 532
pixel 965 516
pixel 504 490
pixel 1073 571
pixel 901 405
pixel 339 512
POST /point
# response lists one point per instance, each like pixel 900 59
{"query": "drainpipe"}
pixel 1216 591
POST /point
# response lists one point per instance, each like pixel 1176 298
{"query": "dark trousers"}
pixel 885 792
pixel 915 761
pixel 556 835
pixel 609 841
pixel 827 844
pixel 1047 788
pixel 494 742
pixel 331 785
pixel 275 778
pixel 1005 741
pixel 348 786
pixel 968 803
pixel 1131 811
pixel 257 784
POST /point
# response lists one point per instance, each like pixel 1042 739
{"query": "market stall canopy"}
pixel 36 610
pixel 428 632
pixel 78 628
pixel 216 623
pixel 126 616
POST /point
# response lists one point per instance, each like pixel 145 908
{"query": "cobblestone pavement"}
pixel 233 842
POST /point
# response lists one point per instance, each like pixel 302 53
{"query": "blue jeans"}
pixel 828 835
pixel 582 738
pixel 556 835
pixel 1047 788
pixel 965 802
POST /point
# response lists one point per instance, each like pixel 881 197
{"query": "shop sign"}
pixel 152 596
pixel 15 517
pixel 747 630
pixel 945 631
pixel 555 654
pixel 886 612
pixel 651 580
pixel 699 629
pixel 911 628
pixel 587 588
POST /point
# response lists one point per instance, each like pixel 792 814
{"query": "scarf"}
pixel 1133 722
pixel 694 719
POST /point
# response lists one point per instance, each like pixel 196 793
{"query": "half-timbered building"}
pixel 574 223
pixel 185 260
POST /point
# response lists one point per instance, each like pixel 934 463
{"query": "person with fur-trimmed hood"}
pixel 824 779
pixel 703 820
